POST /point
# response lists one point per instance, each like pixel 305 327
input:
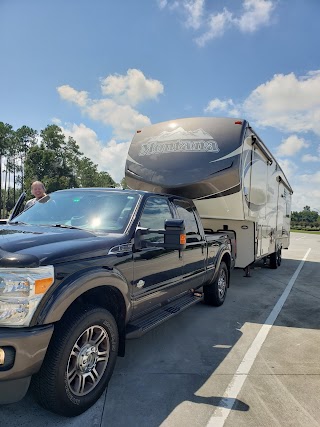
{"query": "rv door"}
pixel 256 185
pixel 283 214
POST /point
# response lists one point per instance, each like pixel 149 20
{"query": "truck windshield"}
pixel 96 210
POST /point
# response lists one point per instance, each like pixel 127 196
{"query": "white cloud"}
pixel 194 10
pixel 123 119
pixel 132 88
pixel 310 158
pixel 109 157
pixel 305 195
pixel 217 25
pixel 289 168
pixel 254 15
pixel 162 4
pixel 69 94
pixel 306 191
pixel 291 145
pixel 115 109
pixel 311 178
pixel 305 186
pixel 56 121
pixel 227 106
pixel 287 102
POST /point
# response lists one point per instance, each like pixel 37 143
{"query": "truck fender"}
pixel 73 287
pixel 226 256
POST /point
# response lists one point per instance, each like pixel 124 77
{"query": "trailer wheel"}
pixel 79 362
pixel 215 293
pixel 279 258
pixel 275 259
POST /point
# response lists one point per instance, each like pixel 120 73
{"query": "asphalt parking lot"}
pixel 252 362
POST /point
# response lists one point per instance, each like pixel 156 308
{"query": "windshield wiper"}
pixel 71 227
pixel 17 223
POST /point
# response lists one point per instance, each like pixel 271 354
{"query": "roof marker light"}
pixel 238 122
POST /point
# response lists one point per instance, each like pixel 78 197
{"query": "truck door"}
pixel 157 271
pixel 194 256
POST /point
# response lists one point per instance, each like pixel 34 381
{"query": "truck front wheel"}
pixel 79 361
pixel 215 293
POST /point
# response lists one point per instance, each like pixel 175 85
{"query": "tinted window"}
pixel 155 212
pixel 186 212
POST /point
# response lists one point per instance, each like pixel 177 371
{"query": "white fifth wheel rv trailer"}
pixel 232 177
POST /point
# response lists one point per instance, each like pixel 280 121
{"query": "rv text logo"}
pixel 178 146
pixel 179 141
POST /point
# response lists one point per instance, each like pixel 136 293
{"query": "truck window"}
pixel 155 212
pixel 186 212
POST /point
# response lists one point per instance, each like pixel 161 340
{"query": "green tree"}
pixel 123 183
pixel 50 157
pixel 305 218
pixel 84 172
pixel 89 176
pixel 54 161
pixel 59 163
pixel 6 138
pixel 25 138
pixel 103 179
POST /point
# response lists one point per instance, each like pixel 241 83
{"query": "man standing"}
pixel 38 190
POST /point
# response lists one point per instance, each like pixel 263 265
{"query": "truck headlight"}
pixel 21 290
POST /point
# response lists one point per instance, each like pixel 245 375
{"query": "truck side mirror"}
pixel 139 243
pixel 174 236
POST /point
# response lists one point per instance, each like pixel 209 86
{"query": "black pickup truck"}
pixel 84 269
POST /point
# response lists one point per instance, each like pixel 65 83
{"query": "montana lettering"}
pixel 178 146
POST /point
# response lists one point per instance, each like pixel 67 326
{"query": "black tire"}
pixel 79 362
pixel 215 293
pixel 279 257
pixel 275 259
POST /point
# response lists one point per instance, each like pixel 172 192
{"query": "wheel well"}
pixel 109 298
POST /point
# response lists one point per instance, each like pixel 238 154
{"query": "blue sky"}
pixel 103 69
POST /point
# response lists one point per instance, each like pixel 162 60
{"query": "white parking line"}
pixel 220 415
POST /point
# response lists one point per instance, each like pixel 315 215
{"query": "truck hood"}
pixel 29 246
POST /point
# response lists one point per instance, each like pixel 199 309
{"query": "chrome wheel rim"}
pixel 222 284
pixel 88 360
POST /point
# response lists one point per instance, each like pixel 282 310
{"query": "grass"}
pixel 303 231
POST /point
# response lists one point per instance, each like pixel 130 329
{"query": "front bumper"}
pixel 22 351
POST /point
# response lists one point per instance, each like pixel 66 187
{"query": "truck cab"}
pixel 81 271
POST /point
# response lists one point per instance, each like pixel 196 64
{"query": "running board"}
pixel 150 320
